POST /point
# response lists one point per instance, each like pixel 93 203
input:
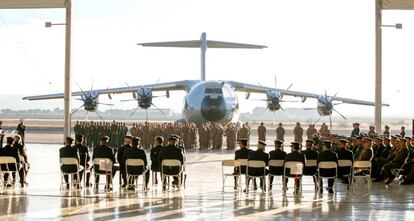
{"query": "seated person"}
pixel 11 151
pixel 135 152
pixel 310 154
pixel 155 155
pixel 242 153
pixel 327 156
pixel 259 155
pixel 83 157
pixel 121 159
pixel 294 156
pixel 104 151
pixel 397 161
pixel 277 154
pixel 171 152
pixel 344 154
pixel 69 151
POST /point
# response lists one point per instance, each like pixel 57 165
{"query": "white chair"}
pixel 5 163
pixel 397 172
pixel 275 164
pixel 132 178
pixel 73 176
pixel 105 169
pixel 362 170
pixel 256 165
pixel 347 163
pixel 327 165
pixel 225 172
pixel 164 176
pixel 312 164
pixel 243 163
pixel 295 171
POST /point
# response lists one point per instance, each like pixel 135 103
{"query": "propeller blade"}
pixel 146 114
pixel 130 115
pixel 318 119
pixel 337 104
pixel 289 101
pixel 289 87
pixel 330 122
pixel 274 118
pixel 326 96
pixel 97 113
pixel 275 82
pixel 339 114
pixel 92 85
pixel 158 108
pixel 86 115
pixel 333 97
pixel 77 109
pixel 309 108
pixel 79 99
pixel 128 100
pixel 81 90
pixel 105 104
pixel 267 108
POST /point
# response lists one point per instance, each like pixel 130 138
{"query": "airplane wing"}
pixel 251 88
pixel 168 86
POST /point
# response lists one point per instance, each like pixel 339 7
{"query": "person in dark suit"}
pixel 155 155
pixel 310 154
pixel 84 157
pixel 104 151
pixel 242 153
pixel 121 159
pixel 344 154
pixel 11 151
pixel 327 156
pixel 277 154
pixel 171 152
pixel 71 152
pixel 259 155
pixel 136 153
pixel 294 156
pixel 382 159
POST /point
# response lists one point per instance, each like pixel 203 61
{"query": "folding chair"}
pixel 295 172
pixel 8 165
pixel 256 164
pixel 362 170
pixel 274 165
pixel 73 176
pixel 134 169
pixel 226 173
pixel 103 167
pixel 397 172
pixel 312 164
pixel 171 163
pixel 243 163
pixel 347 163
pixel 326 165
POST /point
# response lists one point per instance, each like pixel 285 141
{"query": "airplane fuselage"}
pixel 211 101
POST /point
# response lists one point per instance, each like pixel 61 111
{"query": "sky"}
pixel 316 45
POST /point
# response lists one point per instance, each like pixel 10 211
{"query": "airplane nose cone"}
pixel 213 109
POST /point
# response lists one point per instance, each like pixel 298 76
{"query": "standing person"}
pixel 244 133
pixel 298 131
pixel 327 156
pixel 84 157
pixel 23 157
pixel 371 132
pixel 355 132
pixel 261 131
pixel 21 130
pixel 121 159
pixel 135 152
pixel 310 132
pixel 280 133
pixel 69 151
pixel 155 156
pixel 387 132
pixel 1 134
pixel 402 133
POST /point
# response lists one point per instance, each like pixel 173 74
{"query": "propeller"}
pixel 91 96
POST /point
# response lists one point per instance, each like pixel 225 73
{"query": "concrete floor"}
pixel 201 200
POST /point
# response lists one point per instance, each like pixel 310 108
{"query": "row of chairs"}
pixel 105 166
pixel 358 170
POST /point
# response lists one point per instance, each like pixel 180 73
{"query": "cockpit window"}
pixel 214 91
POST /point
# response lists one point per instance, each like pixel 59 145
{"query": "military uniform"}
pixel 261 131
pixel 277 154
pixel 103 151
pixel 136 153
pixel 280 133
pixel 344 154
pixel 298 132
pixel 258 155
pixel 327 156
pixel 310 154
pixel 72 152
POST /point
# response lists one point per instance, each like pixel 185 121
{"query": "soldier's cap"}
pixel 243 139
pixel 367 138
pixel 105 138
pixel 173 137
pixel 128 137
pixel 135 139
pixel 69 139
pixel 78 137
pixel 9 139
pixel 359 137
pixel 394 137
pixel 294 144
pixel 262 142
pixel 386 138
pixel 327 141
pixel 310 141
pixel 350 138
pixel 408 138
pixel 399 136
pixel 379 138
pixel 356 123
pixel 343 140
pixel 278 142
pixel 402 139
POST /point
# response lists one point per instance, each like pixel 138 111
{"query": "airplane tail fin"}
pixel 203 44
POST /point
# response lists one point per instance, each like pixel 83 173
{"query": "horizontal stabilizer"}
pixel 197 44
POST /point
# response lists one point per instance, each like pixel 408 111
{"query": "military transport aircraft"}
pixel 208 100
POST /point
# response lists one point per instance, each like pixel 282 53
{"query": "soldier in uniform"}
pixel 242 153
pixel 371 132
pixel 69 151
pixel 277 154
pixel 121 159
pixel 358 147
pixel 155 155
pixel 261 131
pixel 298 132
pixel 171 151
pixel 134 152
pixel 83 156
pixel 1 134
pixel 367 153
pixel 344 154
pixel 386 131
pixel 280 133
pixel 396 162
pixel 294 156
pixel 310 154
pixel 244 133
pixel 259 155
pixel 327 156
pixel 355 132
pixel 104 151
pixel 402 133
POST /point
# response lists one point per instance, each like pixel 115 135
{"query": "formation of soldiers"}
pixel 94 130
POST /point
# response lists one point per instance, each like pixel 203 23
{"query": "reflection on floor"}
pixel 203 198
